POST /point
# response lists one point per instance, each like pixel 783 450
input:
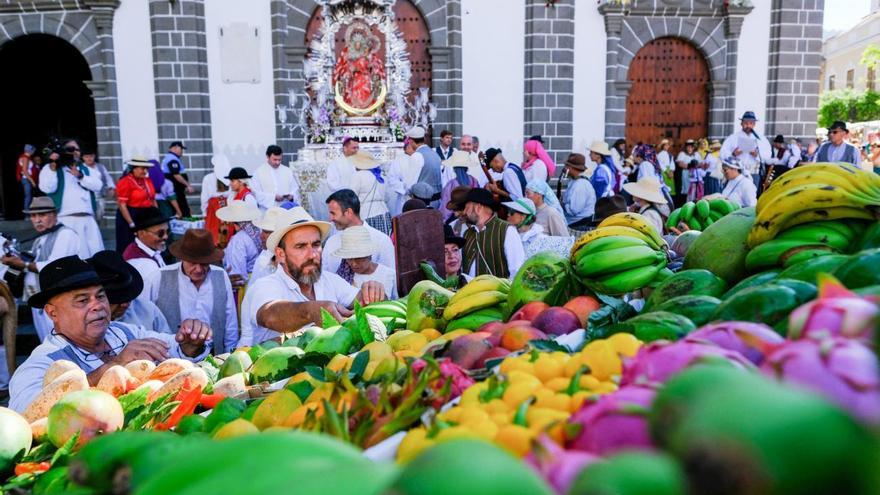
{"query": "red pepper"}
pixel 189 399
pixel 31 467
pixel 210 401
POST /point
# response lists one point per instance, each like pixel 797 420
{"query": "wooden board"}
pixel 419 238
pixel 669 97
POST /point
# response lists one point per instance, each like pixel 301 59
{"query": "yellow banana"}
pixel 636 221
pixel 473 303
pixel 484 283
pixel 787 185
pixel 763 231
pixel 609 231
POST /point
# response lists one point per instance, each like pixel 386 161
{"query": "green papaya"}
pixel 698 309
pixel 656 325
pixel 425 305
pixel 752 281
pixel 332 341
pixel 694 282
pixel 769 304
pixel 632 473
pixel 721 248
pixel 546 276
pixel 805 291
pixel 807 270
pixel 861 270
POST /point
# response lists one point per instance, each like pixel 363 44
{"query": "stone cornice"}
pixel 56 5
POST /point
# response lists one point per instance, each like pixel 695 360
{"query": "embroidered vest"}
pixel 486 248
pixel 59 192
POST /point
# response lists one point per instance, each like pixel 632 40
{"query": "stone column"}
pixel 549 75
pixel 793 74
pixel 104 91
pixel 180 68
pixel 288 53
pixel 615 91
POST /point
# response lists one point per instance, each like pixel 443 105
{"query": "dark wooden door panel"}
pixel 669 95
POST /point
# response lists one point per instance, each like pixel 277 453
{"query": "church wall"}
pixel 751 80
pixel 134 74
pixel 589 76
pixel 242 113
pixel 493 73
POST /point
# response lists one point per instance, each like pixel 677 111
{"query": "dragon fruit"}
pixel 558 466
pixel 450 372
pixel 752 340
pixel 837 311
pixel 843 370
pixel 614 422
pixel 658 361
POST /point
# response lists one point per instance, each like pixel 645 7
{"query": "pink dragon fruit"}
pixel 752 340
pixel 458 380
pixel 558 466
pixel 843 370
pixel 658 361
pixel 837 311
pixel 614 422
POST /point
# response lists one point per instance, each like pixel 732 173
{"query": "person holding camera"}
pixel 54 240
pixel 72 186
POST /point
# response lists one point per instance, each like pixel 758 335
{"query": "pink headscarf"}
pixel 537 149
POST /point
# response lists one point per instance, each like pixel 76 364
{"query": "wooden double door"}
pixel 669 96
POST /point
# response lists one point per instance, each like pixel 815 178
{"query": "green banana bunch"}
pixel 476 319
pixel 820 233
pixel 803 255
pixel 854 181
pixel 701 214
pixel 774 253
pixel 722 206
pixel 387 309
pixel 616 260
pixel 620 283
pixel 606 243
pixel 635 221
pixel 474 302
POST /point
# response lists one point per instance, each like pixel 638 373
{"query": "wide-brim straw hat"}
pixel 600 147
pixel 458 159
pixel 139 161
pixel 355 243
pixel 238 211
pixel 646 188
pixel 196 246
pixel 298 218
pixel 715 145
pixel 363 160
pixel 273 217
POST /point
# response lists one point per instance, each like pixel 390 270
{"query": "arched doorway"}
pixel 43 96
pixel 669 96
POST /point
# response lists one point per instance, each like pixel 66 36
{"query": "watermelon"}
pixel 698 309
pixel 656 325
pixel 861 270
pixel 694 282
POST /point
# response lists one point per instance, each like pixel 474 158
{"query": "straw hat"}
pixel 363 160
pixel 646 188
pixel 600 147
pixel 139 161
pixel 355 243
pixel 238 211
pixel 273 217
pixel 458 159
pixel 298 217
pixel 716 145
pixel 41 204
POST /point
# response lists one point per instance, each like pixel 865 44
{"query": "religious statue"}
pixel 359 75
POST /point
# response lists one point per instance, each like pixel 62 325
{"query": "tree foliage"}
pixel 848 105
pixel 871 56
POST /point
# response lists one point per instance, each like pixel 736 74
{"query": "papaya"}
pixel 656 325
pixel 807 270
pixel 425 305
pixel 805 291
pixel 546 276
pixel 632 473
pixel 752 281
pixel 693 282
pixel 332 341
pixel 721 248
pixel 861 270
pixel 698 309
pixel 768 303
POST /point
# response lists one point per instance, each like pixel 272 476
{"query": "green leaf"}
pixel 134 400
pixel 316 372
pixel 227 410
pixel 327 320
pixel 548 345
pixel 363 326
pixel 359 364
pixel 303 389
pixel 65 449
pixel 575 384
pixel 40 453
pixel 521 413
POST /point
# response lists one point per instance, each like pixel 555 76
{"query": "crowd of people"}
pixel 263 266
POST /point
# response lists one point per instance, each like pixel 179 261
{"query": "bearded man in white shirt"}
pixel 274 183
pixel 747 147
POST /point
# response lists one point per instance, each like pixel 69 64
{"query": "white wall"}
pixel 493 57
pixel 138 130
pixel 752 65
pixel 589 75
pixel 242 114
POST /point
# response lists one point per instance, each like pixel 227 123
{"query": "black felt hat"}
pixel 122 282
pixel 481 196
pixel 238 173
pixel 63 275
pixel 148 217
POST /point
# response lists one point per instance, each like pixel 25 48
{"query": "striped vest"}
pixel 487 249
pixel 849 153
pixel 168 303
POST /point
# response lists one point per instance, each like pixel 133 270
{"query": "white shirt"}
pixel 664 159
pixel 684 157
pixel 384 275
pixel 76 197
pixel 146 266
pixel 147 315
pixel 413 170
pixel 741 191
pixel 511 183
pixel 240 254
pixel 384 254
pixel 750 163
pixel 197 303
pixel 340 172
pixel 280 287
pixel 27 382
pixel 790 157
pixel 513 252
pixel 269 181
pixel 714 169
pixel 646 169
pixel 579 200
pixel 67 243
pixel 370 193
pixel 538 171
pixel 262 266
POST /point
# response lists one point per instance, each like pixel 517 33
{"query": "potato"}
pixel 57 369
pixel 69 381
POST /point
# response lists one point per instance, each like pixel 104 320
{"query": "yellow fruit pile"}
pixel 536 392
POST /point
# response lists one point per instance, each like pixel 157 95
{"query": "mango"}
pixel 88 412
pixel 237 362
pixel 275 409
pixel 407 340
pixel 235 428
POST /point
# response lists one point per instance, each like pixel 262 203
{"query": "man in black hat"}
pixel 76 302
pixel 123 284
pixel 53 241
pixel 492 246
pixel 785 156
pixel 151 232
pixel 837 149
pixel 747 147
pixel 172 167
pixel 513 180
